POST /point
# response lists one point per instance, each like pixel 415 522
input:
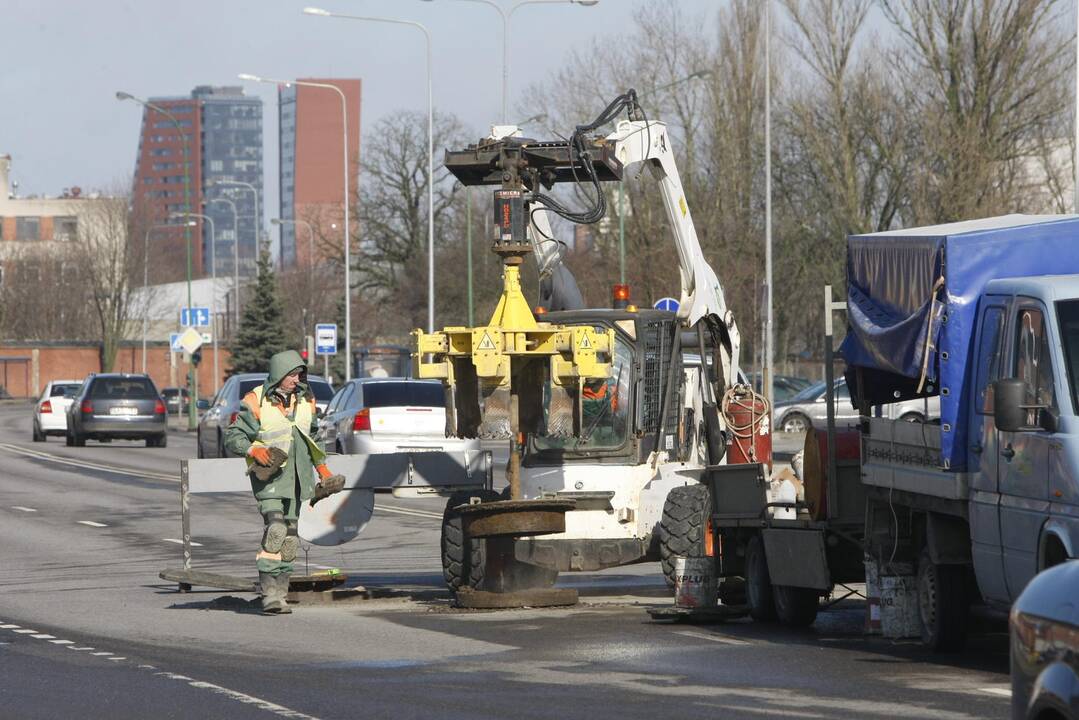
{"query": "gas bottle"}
pixel 749 427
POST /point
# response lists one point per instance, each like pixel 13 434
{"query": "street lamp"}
pixel 146 277
pixel 506 31
pixel 769 328
pixel 192 378
pixel 235 255
pixel 348 240
pixel 310 241
pixel 218 182
pixel 213 291
pixel 319 12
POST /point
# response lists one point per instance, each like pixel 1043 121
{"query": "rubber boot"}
pixel 273 600
pixel 282 591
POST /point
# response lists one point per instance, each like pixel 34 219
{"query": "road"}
pixel 88 629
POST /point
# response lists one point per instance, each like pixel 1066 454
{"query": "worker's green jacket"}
pixel 303 454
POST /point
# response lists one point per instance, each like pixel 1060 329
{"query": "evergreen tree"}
pixel 262 328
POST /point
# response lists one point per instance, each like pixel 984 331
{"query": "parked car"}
pixel 176 400
pixel 210 437
pixel 50 411
pixel 808 408
pixel 785 387
pixel 388 415
pixel 1044 626
pixel 117 406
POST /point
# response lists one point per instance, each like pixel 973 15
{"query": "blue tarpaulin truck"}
pixel 984 314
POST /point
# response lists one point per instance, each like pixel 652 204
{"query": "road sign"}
pixel 174 343
pixel 326 339
pixel 195 317
pixel 667 303
pixel 190 340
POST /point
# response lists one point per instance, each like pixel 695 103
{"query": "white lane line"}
pixel 711 638
pixel 62 642
pixel 181 542
pixel 24 631
pixel 85 647
pixel 9 627
pixel 403 511
pixel 100 654
pixel 43 636
pixel 22 508
pixel 239 697
pixel 87 465
pixel 91 523
pixel 1001 691
pixel 114 659
pixel 324 567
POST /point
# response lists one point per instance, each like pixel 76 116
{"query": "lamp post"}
pixel 216 182
pixel 310 242
pixel 235 255
pixel 213 291
pixel 506 15
pixel 769 328
pixel 430 169
pixel 347 226
pixel 146 283
pixel 121 95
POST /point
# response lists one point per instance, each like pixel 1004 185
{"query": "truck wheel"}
pixel 942 605
pixel 796 606
pixel 683 528
pixel 462 566
pixel 759 595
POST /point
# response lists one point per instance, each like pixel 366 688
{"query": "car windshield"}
pixel 68 390
pixel 401 394
pixel 322 391
pixel 810 393
pixel 247 386
pixel 123 388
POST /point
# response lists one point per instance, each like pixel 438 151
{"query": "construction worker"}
pixel 273 432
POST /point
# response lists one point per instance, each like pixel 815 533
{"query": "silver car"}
pixel 117 406
pixel 390 415
pixel 225 407
pixel 808 408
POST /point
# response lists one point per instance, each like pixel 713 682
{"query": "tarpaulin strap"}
pixel 929 331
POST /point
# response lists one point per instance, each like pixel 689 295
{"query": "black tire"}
pixel 462 566
pixel 160 441
pixel 683 526
pixel 942 605
pixel 78 440
pixel 220 446
pixel 38 436
pixel 198 445
pixel 795 422
pixel 69 439
pixel 796 606
pixel 759 594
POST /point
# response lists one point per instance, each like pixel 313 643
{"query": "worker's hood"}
pixel 281 364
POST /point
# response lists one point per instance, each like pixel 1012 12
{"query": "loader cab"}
pixel 620 415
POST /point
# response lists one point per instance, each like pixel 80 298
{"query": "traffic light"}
pixel 196 357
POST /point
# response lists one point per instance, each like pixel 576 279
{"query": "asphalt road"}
pixel 88 629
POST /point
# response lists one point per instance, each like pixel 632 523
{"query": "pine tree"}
pixel 262 328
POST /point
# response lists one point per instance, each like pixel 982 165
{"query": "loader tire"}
pixel 683 527
pixel 463 563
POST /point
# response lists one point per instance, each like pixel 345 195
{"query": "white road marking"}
pixel 43 636
pixel 1001 691
pixel 62 642
pixel 100 654
pixel 91 523
pixel 85 647
pixel 87 465
pixel 239 696
pixel 114 659
pixel 324 567
pixel 23 509
pixel 24 631
pixel 711 638
pixel 409 511
pixel 181 542
pixel 8 627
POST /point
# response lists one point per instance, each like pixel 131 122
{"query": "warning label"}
pixel 486 343
pixel 586 344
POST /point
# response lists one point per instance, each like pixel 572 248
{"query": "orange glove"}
pixel 260 454
pixel 323 471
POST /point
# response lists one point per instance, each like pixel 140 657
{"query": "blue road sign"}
pixel 326 339
pixel 667 303
pixel 200 316
pixel 174 342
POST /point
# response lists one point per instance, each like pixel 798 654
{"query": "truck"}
pixel 983 314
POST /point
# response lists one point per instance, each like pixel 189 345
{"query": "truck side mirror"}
pixel 1008 411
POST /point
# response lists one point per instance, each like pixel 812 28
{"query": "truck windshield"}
pixel 1068 318
pixel 606 409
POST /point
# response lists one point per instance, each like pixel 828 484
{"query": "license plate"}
pixel 123 411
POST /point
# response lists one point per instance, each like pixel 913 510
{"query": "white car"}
pixel 50 411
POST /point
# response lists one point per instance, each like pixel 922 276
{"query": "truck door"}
pixel 982 454
pixel 1023 457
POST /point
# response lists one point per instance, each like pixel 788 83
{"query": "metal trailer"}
pixel 788 564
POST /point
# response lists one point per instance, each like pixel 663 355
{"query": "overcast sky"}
pixel 65 60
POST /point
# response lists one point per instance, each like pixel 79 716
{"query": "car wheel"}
pixel 942 605
pixel 912 417
pixel 78 440
pixel 794 423
pixel 683 527
pixel 220 446
pixel 38 435
pixel 198 445
pixel 69 439
pixel 759 594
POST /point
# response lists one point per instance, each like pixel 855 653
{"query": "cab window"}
pixel 1032 358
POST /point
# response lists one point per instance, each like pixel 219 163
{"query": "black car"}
pixel 1045 646
pixel 176 400
pixel 117 406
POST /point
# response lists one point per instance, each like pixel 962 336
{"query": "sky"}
pixel 65 60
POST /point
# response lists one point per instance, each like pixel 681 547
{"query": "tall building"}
pixel 312 163
pixel 223 131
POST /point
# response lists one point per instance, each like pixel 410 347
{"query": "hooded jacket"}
pixel 304 453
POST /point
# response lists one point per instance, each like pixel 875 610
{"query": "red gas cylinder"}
pixel 749 428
